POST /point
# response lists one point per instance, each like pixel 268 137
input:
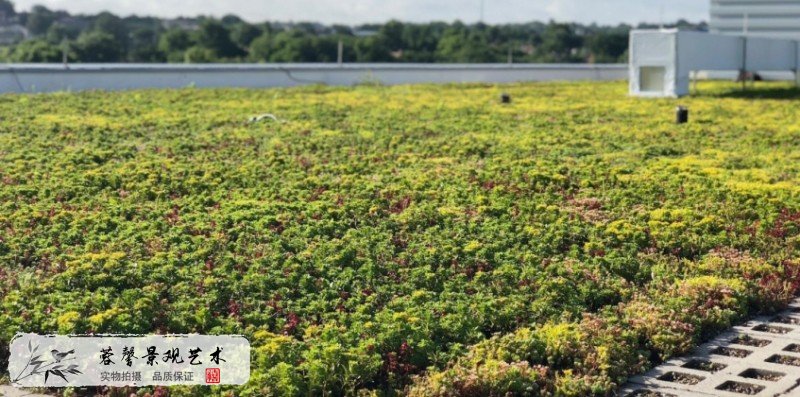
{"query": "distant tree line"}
pixel 106 37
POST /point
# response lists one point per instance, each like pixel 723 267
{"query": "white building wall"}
pixel 771 54
pixel 764 18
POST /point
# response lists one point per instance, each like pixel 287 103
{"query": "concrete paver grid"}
pixel 760 357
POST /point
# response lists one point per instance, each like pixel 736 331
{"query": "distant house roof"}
pixel 181 23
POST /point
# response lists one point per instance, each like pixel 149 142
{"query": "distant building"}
pixel 364 33
pixel 75 23
pixel 763 18
pixel 181 23
pixel 11 34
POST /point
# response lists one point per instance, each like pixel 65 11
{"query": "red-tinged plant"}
pixel 776 290
pixel 234 309
pixel 292 321
pixel 786 223
pixel 401 205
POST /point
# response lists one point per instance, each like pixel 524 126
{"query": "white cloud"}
pixel 359 11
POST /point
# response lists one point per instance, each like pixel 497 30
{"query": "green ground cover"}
pixel 422 240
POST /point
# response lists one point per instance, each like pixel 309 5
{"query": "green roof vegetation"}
pixel 409 240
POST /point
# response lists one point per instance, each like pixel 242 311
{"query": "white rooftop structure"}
pixel 756 18
pixel 662 61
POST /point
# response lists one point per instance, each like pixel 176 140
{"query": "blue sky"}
pixel 361 11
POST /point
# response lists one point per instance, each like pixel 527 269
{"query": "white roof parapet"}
pixel 78 77
pixel 661 61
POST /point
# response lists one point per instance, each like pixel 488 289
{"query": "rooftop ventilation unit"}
pixel 661 61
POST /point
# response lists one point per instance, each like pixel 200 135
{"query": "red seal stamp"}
pixel 212 375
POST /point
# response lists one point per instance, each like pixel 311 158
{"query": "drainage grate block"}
pixel 762 374
pixel 785 360
pixel 741 388
pixel 794 348
pixel 772 329
pixel 731 352
pixel 748 340
pixel 786 320
pixel 649 393
pixel 704 365
pixel 682 378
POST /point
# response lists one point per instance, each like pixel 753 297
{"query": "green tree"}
pixel 144 46
pixel 199 54
pixel 560 43
pixel 261 48
pixel 174 43
pixel 327 48
pixel 607 46
pixel 58 32
pixel 110 24
pixel 420 42
pixel 98 47
pixel 293 46
pixel 143 39
pixel 214 36
pixel 36 50
pixel 460 44
pixel 373 49
pixel 39 20
pixel 230 20
pixel 392 35
pixel 244 33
